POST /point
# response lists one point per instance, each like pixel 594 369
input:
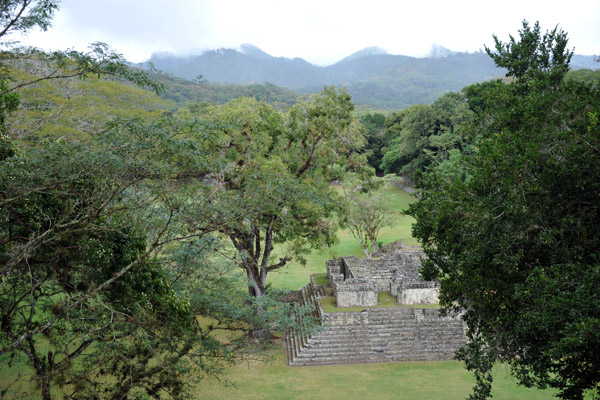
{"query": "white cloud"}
pixel 321 31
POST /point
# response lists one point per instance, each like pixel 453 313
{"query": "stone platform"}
pixel 374 335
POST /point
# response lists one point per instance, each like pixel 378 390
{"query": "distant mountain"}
pixel 367 51
pixel 584 62
pixel 371 76
pixel 253 51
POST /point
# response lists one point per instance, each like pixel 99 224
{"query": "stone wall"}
pixel 355 293
pixel 334 273
pixel 346 318
pixel 415 292
pixel 419 296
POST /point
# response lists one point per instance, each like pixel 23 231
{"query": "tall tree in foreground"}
pixel 101 284
pixel 515 246
pixel 102 281
pixel 268 177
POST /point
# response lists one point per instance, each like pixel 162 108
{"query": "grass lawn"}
pixel 408 380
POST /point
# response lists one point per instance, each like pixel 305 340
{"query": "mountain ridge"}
pixel 371 75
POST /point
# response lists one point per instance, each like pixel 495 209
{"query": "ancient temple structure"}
pixel 409 331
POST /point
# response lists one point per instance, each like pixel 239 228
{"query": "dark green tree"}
pixel 534 58
pixel 375 125
pixel 425 135
pixel 515 246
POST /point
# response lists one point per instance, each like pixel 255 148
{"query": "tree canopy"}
pixel 515 245
pixel 267 176
pixel 107 291
pixel 424 135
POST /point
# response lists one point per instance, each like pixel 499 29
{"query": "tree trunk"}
pixel 46 388
pixel 374 247
pixel 366 251
pixel 256 288
pixel 256 284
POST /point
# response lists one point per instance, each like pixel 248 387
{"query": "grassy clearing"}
pixel 294 276
pixel 409 380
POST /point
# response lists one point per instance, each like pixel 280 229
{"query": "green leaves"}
pixel 534 58
pixel 422 136
pixel 515 245
pixel 21 16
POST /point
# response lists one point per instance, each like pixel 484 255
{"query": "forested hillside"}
pixel 183 91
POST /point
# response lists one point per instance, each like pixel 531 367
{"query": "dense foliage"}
pixel 267 175
pixel 374 124
pixel 102 278
pixel 184 91
pixel 425 135
pixel 515 245
pixel 108 289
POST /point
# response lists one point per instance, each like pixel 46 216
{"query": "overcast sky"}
pixel 320 31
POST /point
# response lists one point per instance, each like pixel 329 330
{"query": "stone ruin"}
pixel 395 269
pixel 407 332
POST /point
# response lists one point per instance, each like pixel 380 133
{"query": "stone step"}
pixel 369 359
pixel 402 351
pixel 400 355
pixel 380 335
pixel 384 343
pixel 343 345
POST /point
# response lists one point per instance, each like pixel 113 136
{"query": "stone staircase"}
pixel 374 335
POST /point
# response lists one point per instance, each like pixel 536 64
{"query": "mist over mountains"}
pixel 372 76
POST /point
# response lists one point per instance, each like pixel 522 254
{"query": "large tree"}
pixel 267 177
pixel 102 279
pixel 515 245
pixel 102 284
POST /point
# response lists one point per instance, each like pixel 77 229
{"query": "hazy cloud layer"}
pixel 320 31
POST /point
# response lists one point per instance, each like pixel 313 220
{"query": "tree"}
pixel 21 16
pixel 366 218
pixel 102 281
pixel 534 58
pixel 267 177
pixel 515 246
pixel 102 284
pixel 374 124
pixel 425 135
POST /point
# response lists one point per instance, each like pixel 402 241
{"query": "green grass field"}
pixel 408 380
